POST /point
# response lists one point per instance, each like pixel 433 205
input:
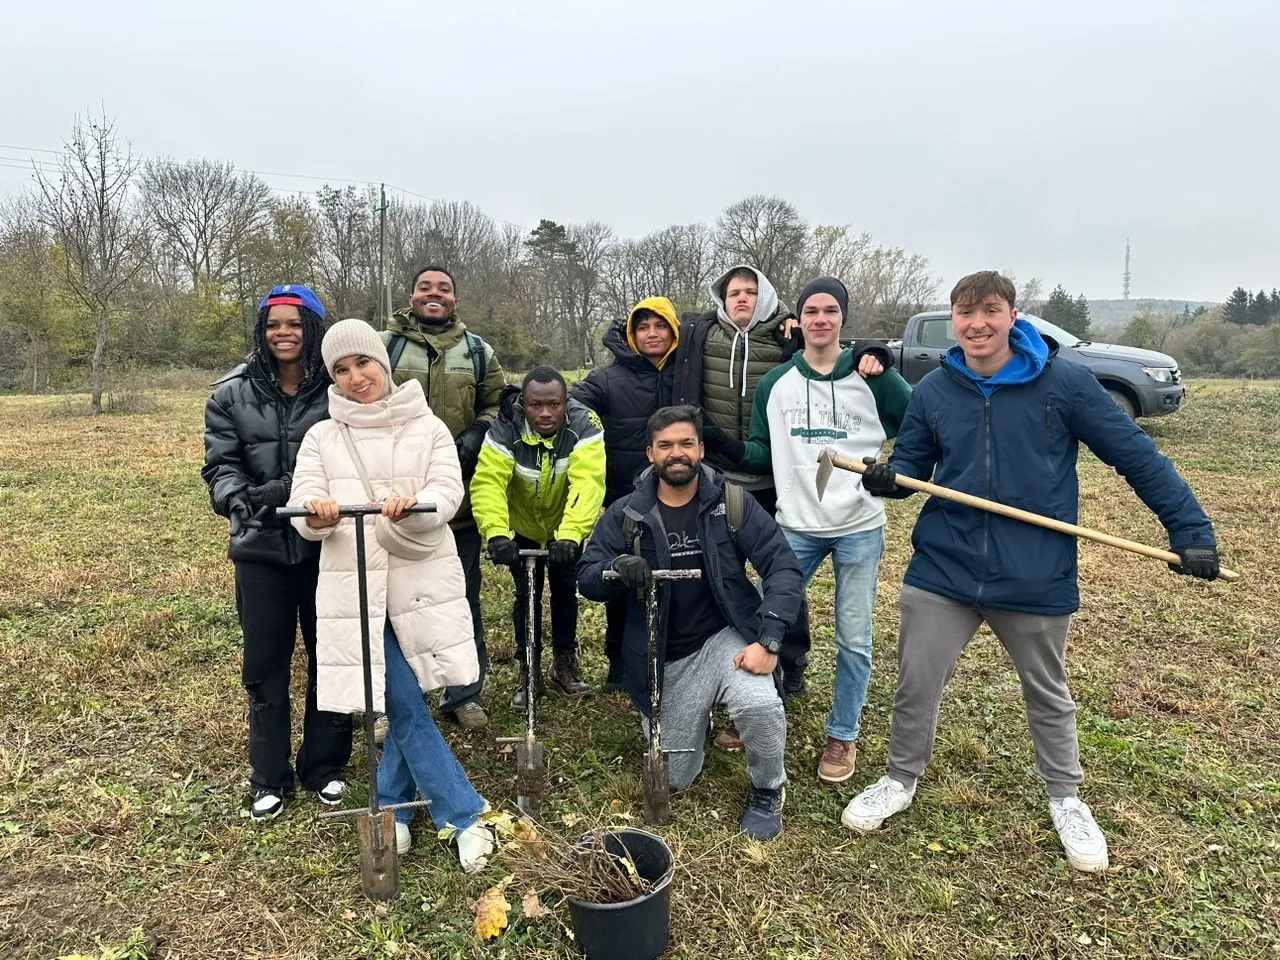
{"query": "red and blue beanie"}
pixel 292 295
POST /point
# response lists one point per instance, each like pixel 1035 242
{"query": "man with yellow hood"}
pixel 625 394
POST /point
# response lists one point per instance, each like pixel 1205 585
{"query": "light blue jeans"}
pixel 415 756
pixel 856 557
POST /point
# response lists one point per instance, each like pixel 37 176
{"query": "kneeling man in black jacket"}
pixel 718 638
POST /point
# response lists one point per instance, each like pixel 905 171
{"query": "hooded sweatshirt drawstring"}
pixel 746 353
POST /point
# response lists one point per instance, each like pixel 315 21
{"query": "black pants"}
pixel 468 540
pixel 273 600
pixel 564 603
pixel 794 655
pixel 615 625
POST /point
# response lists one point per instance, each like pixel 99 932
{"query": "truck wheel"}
pixel 1123 402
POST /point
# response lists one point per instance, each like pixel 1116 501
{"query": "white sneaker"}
pixel 266 805
pixel 474 846
pixel 331 793
pixel 1085 846
pixel 869 809
pixel 380 728
pixel 404 839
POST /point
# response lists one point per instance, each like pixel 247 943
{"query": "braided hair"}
pixel 312 338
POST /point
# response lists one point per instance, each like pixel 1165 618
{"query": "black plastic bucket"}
pixel 637 929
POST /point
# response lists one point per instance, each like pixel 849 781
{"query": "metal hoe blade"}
pixel 825 467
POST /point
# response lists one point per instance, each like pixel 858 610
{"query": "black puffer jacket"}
pixel 252 433
pixel 625 394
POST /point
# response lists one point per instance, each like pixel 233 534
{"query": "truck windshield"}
pixel 1064 337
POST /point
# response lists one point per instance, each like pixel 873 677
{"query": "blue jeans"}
pixel 857 561
pixel 415 757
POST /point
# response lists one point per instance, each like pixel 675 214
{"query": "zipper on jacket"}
pixel 286 417
pixel 986 517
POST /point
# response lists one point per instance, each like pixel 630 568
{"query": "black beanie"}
pixel 825 285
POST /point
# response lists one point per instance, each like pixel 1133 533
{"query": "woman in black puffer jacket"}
pixel 254 424
pixel 625 394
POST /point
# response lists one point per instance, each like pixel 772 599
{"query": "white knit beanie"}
pixel 354 337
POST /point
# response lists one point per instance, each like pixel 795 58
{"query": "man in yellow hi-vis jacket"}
pixel 540 484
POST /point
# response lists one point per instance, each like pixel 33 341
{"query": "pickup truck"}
pixel 1143 383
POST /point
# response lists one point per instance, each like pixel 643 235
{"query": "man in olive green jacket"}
pixel 463 382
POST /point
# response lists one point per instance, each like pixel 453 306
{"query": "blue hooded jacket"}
pixel 1014 438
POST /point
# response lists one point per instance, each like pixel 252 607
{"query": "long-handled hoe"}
pixel 531 770
pixel 828 461
pixel 376 825
pixel 657 778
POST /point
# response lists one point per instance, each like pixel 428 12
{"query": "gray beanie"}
pixel 354 337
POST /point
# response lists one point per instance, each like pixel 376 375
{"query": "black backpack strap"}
pixel 479 365
pixel 395 349
pixel 631 533
pixel 734 507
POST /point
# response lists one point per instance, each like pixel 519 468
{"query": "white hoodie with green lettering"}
pixel 798 412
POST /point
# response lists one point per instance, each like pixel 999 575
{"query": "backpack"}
pixel 734 507
pixel 475 350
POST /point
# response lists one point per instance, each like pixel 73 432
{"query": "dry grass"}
pixel 122 746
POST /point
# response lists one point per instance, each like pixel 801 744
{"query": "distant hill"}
pixel 1111 316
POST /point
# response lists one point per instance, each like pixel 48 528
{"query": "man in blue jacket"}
pixel 718 638
pixel 1003 418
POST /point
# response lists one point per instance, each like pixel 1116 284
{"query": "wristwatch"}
pixel 770 642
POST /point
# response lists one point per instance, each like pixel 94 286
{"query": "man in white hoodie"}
pixel 816 400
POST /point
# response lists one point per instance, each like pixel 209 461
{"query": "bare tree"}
pixel 348 249
pixel 769 234
pixel 90 214
pixel 889 286
pixel 204 214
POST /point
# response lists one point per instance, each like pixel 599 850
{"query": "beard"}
pixel 678 473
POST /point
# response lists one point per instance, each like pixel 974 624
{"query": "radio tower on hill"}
pixel 1126 268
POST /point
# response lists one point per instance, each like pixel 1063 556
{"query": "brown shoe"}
pixel 728 739
pixel 566 678
pixel 518 701
pixel 837 763
pixel 471 716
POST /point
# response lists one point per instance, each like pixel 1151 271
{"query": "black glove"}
pixel 273 493
pixel 504 551
pixel 719 442
pixel 564 551
pixel 879 480
pixel 469 443
pixel 1199 562
pixel 633 571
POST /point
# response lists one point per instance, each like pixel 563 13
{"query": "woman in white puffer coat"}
pixel 416 592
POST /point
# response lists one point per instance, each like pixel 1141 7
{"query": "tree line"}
pixel 1238 338
pixel 110 259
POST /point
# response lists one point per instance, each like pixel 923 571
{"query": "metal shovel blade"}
pixel 657 790
pixel 531 776
pixel 825 467
pixel 379 862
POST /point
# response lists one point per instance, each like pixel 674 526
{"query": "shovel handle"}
pixel 1026 516
pixel 691 574
pixel 535 554
pixel 360 510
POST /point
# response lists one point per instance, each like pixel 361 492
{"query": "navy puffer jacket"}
pixel 624 395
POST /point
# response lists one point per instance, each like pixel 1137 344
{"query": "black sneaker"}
pixel 331 793
pixel 613 682
pixel 266 805
pixel 763 819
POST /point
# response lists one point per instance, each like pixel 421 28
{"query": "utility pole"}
pixel 1126 268
pixel 384 295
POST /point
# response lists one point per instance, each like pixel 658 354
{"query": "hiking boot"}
pixel 729 739
pixel 763 819
pixel 613 682
pixel 793 684
pixel 836 765
pixel 266 804
pixel 471 716
pixel 1085 846
pixel 876 804
pixel 518 701
pixel 404 839
pixel 331 793
pixel 566 677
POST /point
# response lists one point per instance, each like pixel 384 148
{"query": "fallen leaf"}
pixel 447 832
pixel 571 819
pixel 492 911
pixel 531 908
pixel 936 847
pixel 348 914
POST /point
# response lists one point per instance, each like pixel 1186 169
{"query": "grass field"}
pixel 122 756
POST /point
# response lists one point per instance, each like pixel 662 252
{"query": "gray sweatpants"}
pixel 695 684
pixel 933 634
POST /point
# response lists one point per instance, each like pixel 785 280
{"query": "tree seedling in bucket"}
pixel 375 824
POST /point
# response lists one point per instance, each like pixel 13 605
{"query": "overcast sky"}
pixel 1032 137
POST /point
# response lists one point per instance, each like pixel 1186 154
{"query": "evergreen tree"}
pixel 1260 309
pixel 1236 309
pixel 1081 318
